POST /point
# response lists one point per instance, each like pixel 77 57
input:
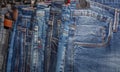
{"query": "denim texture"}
pixel 76 58
pixel 39 39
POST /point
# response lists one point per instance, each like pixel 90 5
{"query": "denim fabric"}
pixel 63 39
pixel 20 44
pixel 4 36
pixel 113 3
pixel 29 46
pixel 76 58
pixel 54 29
pixel 38 40
pixel 27 43
pixel 11 48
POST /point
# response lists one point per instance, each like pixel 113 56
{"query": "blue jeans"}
pixel 76 58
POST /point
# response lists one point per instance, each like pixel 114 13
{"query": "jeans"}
pixel 39 39
pixel 73 57
pixel 20 44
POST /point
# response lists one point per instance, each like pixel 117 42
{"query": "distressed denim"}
pixel 38 39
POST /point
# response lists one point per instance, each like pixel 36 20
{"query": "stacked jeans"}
pixel 20 43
